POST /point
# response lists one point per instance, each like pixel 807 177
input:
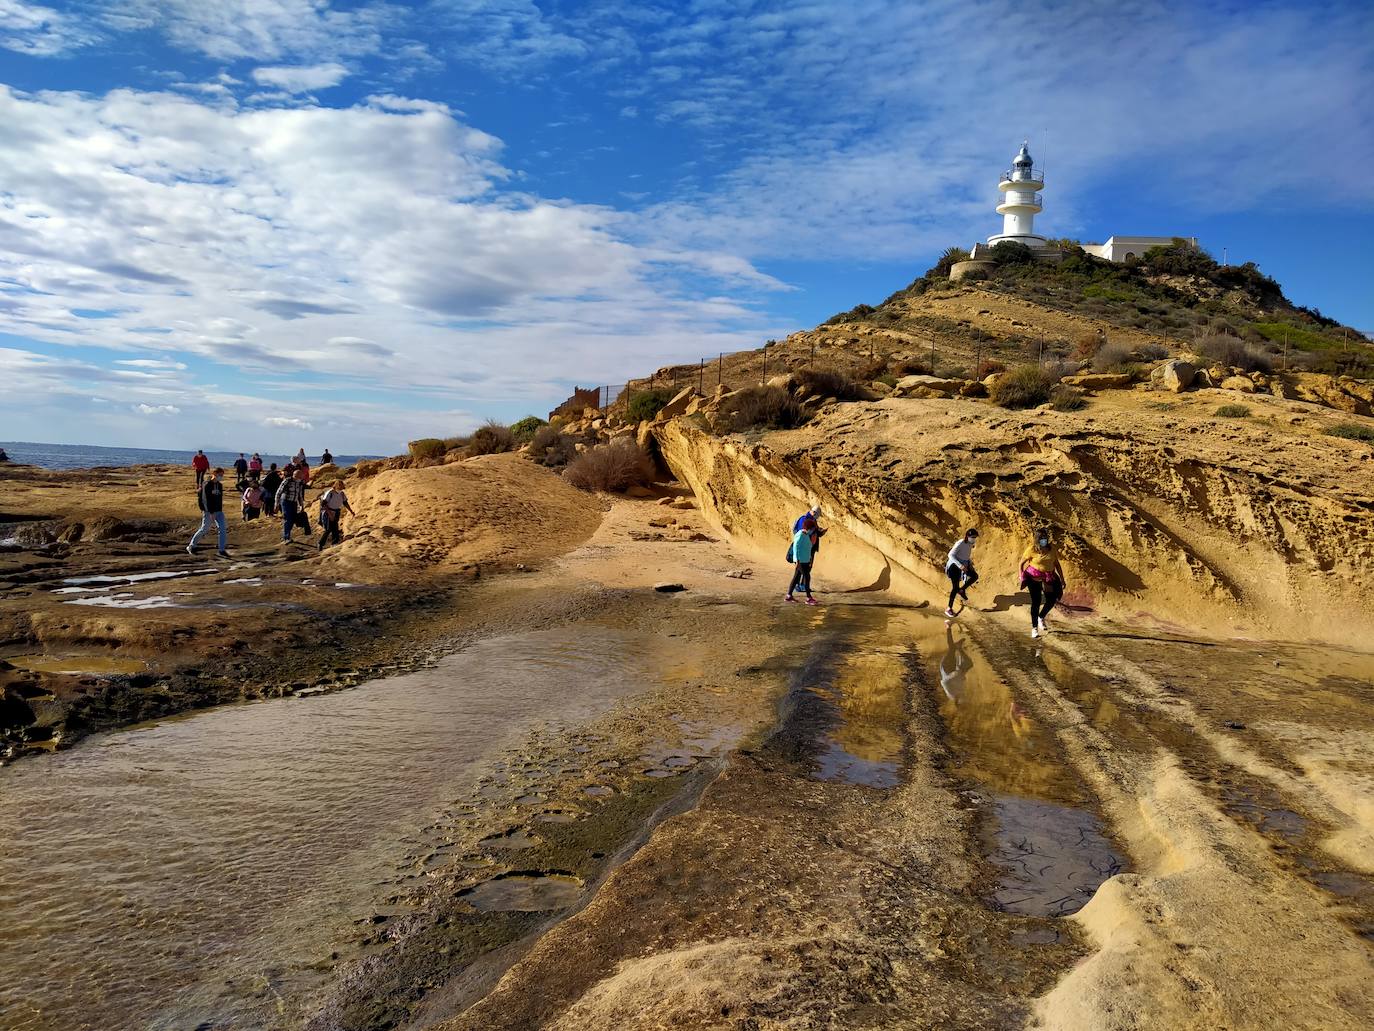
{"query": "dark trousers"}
pixel 1044 597
pixel 200 478
pixel 331 525
pixel 288 518
pixel 957 582
pixel 801 577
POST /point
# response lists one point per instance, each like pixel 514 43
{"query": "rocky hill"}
pixel 1201 444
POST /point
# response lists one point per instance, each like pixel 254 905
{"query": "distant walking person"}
pixel 201 465
pixel 959 569
pixel 270 483
pixel 241 466
pixel 291 502
pixel 802 553
pixel 326 458
pixel 255 463
pixel 211 500
pixel 1042 575
pixel 332 507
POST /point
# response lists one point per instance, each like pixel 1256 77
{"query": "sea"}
pixel 86 456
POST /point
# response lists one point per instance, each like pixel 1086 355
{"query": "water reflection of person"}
pixel 954 666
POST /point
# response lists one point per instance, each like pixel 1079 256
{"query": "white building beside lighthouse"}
pixel 1020 200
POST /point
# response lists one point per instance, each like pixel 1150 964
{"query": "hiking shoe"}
pixel 190 550
pixel 1035 631
pixel 949 613
pixel 963 593
pixel 222 554
pixel 811 601
pixel 788 597
pixel 1044 626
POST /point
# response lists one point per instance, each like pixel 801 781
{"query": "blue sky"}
pixel 262 224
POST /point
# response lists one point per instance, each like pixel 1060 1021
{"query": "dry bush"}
pixel 987 367
pixel 1235 352
pixel 1152 352
pixel 1025 386
pixel 1086 345
pixel 551 447
pixel 613 466
pixel 908 367
pixel 427 449
pixel 491 438
pixel 829 383
pixel 1067 399
pixel 770 407
pixel 1115 357
pixel 1232 412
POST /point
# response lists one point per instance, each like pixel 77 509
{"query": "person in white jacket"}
pixel 959 569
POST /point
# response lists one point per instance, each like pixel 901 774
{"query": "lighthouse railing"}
pixel 1024 175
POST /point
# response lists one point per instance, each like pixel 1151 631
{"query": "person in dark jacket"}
pixel 211 500
pixel 270 483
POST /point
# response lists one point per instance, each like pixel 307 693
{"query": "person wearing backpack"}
pixel 332 507
pixel 800 554
pixel 291 503
pixel 210 498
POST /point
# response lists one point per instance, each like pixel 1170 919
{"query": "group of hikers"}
pixel 272 492
pixel 1040 571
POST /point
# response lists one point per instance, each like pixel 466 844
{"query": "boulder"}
pixel 644 435
pixel 683 503
pixel 932 385
pixel 108 528
pixel 880 388
pixel 1241 383
pixel 71 533
pixel 973 388
pixel 783 381
pixel 678 405
pixel 1176 375
pixel 1099 380
pixel 663 521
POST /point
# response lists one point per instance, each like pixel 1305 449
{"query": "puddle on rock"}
pixel 1053 857
pixel 524 893
pixel 77 664
pixel 128 578
pixel 516 837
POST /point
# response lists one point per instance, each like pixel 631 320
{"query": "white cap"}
pixel 816 509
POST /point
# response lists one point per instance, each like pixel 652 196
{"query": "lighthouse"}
pixel 1020 202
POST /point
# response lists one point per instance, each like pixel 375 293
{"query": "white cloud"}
pixel 146 409
pixel 255 239
pixel 151 363
pixel 40 31
pixel 282 422
pixel 301 78
pixel 256 29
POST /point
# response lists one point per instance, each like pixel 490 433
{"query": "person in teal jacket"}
pixel 802 551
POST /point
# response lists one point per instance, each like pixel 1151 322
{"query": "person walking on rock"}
pixel 326 458
pixel 332 507
pixel 201 465
pixel 211 500
pixel 290 502
pixel 1042 575
pixel 252 500
pixel 270 483
pixel 802 552
pixel 240 471
pixel 959 569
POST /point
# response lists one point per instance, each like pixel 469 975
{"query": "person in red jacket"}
pixel 201 465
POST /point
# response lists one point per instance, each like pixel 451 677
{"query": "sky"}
pixel 266 224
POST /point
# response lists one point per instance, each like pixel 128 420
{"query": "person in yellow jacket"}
pixel 1042 575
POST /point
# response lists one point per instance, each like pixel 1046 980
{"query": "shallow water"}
pixel 524 893
pixel 76 664
pixel 195 869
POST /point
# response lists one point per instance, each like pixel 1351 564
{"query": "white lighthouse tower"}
pixel 1020 204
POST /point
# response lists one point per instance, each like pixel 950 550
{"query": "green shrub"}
pixel 491 438
pixel 947 261
pixel 523 430
pixel 427 449
pixel 829 383
pixel 1353 431
pixel 975 275
pixel 616 465
pixel 1232 412
pixel 770 407
pixel 1009 252
pixel 1067 399
pixel 1023 387
pixel 645 404
pixel 858 313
